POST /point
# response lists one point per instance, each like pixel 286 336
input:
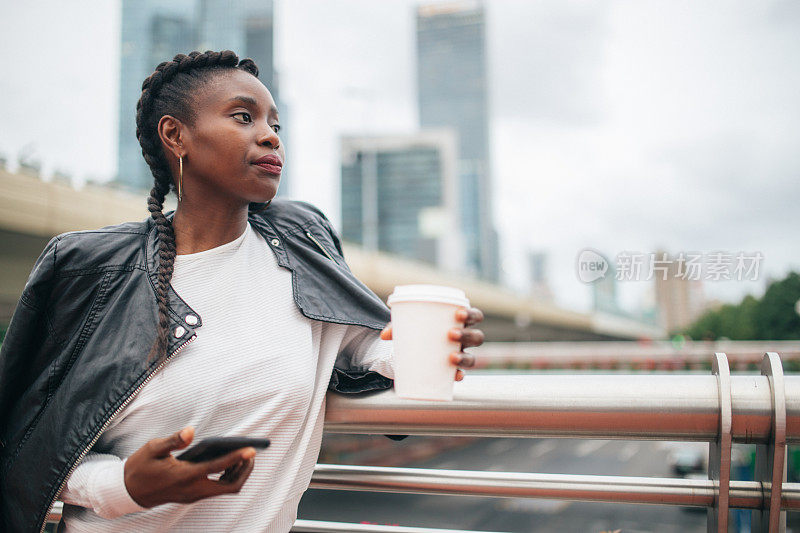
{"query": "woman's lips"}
pixel 271 169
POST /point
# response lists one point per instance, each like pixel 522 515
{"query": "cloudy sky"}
pixel 615 125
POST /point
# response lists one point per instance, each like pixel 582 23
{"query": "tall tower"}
pixel 452 92
pixel 154 31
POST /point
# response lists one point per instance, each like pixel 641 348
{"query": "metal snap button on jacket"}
pixel 275 242
pixel 179 331
pixel 191 320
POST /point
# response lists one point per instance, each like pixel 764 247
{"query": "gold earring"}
pixel 180 177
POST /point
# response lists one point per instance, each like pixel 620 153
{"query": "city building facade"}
pixel 452 92
pixel 680 299
pixel 154 31
pixel 399 195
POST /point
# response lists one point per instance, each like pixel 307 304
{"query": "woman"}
pixel 230 316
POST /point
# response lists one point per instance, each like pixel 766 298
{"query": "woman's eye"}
pixel 276 128
pixel 245 117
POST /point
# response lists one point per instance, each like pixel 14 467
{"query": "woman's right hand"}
pixel 153 476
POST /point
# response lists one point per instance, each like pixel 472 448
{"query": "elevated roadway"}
pixel 32 211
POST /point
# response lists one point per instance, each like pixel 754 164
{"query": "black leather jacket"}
pixel 76 350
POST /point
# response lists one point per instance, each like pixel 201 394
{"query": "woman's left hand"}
pixel 468 336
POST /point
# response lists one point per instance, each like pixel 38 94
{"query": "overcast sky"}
pixel 615 125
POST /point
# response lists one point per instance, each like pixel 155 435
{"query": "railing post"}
pixel 771 457
pixel 719 451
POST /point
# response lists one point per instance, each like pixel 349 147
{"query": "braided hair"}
pixel 170 90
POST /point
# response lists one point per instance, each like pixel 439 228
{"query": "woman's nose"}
pixel 269 137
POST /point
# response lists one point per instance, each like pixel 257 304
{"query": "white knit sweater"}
pixel 257 368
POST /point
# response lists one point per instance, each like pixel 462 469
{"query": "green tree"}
pixel 776 317
pixel 773 317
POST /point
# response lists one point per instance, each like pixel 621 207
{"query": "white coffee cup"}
pixel 421 318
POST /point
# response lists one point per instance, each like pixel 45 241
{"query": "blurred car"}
pixel 687 460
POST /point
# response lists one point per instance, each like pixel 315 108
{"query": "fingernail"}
pixel 456 333
pixel 249 453
pixel 185 434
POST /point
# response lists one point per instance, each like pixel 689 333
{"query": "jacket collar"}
pixel 178 309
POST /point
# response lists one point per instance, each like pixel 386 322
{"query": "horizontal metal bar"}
pixel 309 526
pixel 618 489
pixel 314 526
pixel 635 406
pixel 562 353
pixel 647 490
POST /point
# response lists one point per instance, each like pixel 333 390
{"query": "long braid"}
pixel 170 91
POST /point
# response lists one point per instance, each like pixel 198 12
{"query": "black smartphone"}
pixel 214 447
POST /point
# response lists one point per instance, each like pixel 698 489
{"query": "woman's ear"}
pixel 170 130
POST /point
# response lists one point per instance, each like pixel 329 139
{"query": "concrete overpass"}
pixel 32 211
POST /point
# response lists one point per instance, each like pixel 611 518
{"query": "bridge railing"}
pixel 718 408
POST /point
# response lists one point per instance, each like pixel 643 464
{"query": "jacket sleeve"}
pixel 26 334
pixel 98 483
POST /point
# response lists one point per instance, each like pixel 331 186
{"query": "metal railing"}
pixel 720 409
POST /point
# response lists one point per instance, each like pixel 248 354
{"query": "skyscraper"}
pixel 154 31
pixel 539 282
pixel 453 92
pixel 604 292
pixel 399 195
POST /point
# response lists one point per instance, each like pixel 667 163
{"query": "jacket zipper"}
pixel 310 236
pixel 105 425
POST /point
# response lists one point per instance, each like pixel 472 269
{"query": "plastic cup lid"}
pixel 428 293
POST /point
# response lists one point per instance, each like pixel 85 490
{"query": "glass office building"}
pixel 452 92
pixel 399 196
pixel 154 31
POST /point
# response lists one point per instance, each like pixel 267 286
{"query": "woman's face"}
pixel 232 145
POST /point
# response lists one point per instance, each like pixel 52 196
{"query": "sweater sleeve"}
pixel 98 483
pixel 367 350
